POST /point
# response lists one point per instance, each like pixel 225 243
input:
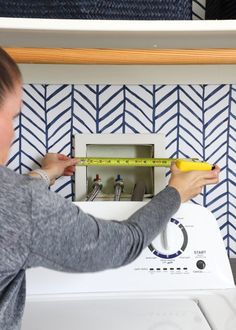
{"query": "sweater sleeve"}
pixel 67 239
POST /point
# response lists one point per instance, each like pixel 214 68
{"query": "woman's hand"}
pixel 190 184
pixel 56 165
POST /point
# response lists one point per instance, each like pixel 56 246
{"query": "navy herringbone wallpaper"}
pixel 197 120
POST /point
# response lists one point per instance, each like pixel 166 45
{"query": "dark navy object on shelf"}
pixel 99 9
pixel 220 9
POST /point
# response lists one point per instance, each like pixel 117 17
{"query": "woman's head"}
pixel 10 100
pixel 9 74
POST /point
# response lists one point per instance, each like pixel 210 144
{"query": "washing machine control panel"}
pixel 188 254
pixel 178 249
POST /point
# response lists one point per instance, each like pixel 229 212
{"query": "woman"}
pixel 40 228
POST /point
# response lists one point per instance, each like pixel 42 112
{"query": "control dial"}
pixel 171 242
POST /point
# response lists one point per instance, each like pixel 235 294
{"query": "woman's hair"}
pixel 9 74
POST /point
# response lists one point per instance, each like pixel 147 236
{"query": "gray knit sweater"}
pixel 40 228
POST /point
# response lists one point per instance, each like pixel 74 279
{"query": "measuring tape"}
pixel 188 164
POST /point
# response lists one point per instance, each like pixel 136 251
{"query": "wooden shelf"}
pixel 122 56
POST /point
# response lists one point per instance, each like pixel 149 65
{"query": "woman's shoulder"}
pixel 14 185
pixel 10 177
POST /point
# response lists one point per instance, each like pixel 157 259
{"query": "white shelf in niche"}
pixel 28 32
pixel 23 32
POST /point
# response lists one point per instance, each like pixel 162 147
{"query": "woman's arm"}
pixel 65 238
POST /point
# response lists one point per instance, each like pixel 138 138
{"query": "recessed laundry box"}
pixel 118 146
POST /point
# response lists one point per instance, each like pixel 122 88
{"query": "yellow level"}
pixel 189 164
pixel 186 165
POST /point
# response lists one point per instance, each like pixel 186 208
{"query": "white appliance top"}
pixel 119 314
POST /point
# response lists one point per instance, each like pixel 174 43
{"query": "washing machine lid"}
pixel 116 314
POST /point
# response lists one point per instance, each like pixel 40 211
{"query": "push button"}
pixel 201 264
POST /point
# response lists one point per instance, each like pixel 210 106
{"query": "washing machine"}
pixel 182 280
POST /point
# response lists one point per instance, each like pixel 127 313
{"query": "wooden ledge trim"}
pixel 122 56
